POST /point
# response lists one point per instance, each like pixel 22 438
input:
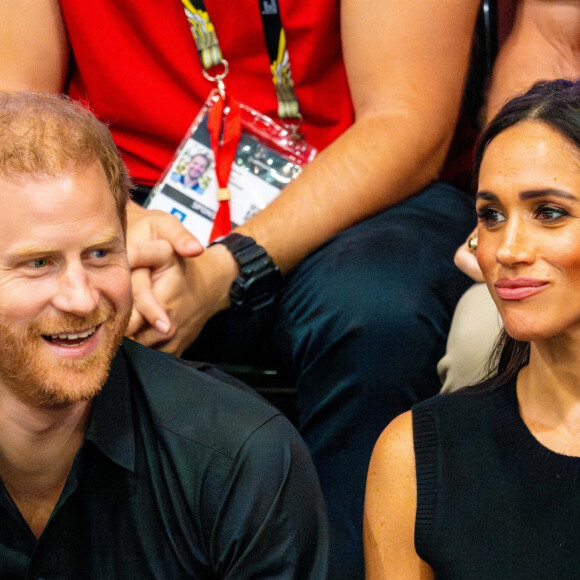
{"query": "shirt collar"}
pixel 111 423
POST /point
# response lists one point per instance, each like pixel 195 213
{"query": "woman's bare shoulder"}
pixel 390 506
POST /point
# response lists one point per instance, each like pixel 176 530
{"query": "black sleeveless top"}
pixel 492 502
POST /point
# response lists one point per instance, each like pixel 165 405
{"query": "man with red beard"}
pixel 117 461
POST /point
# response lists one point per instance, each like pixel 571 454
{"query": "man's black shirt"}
pixel 184 473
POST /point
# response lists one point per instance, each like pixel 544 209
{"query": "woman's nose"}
pixel 516 245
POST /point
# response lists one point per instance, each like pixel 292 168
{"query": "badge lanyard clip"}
pixel 218 79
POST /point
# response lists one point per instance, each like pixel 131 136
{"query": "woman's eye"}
pixel 550 213
pixel 490 217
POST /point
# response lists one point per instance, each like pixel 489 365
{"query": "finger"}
pixel 154 339
pixel 136 323
pixel 152 254
pixel 466 261
pixel 146 304
pixel 146 224
pixel 184 243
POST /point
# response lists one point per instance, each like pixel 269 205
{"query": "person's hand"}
pixel 466 260
pixel 191 291
pixel 145 225
pixel 153 239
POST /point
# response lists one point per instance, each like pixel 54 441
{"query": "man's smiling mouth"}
pixel 71 339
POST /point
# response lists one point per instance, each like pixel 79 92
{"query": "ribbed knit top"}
pixel 492 502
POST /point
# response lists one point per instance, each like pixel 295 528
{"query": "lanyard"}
pixel 224 124
pixel 207 44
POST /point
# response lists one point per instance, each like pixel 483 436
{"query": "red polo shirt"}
pixel 136 67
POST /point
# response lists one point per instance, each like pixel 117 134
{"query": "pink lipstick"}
pixel 518 288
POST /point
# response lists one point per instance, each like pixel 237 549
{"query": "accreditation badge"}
pixel 266 156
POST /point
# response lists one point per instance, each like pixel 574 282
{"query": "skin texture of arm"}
pixel 406 65
pixel 34 50
pixel 390 506
pixel 544 43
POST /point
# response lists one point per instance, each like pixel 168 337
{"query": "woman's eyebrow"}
pixel 530 194
pixel 549 192
pixel 486 196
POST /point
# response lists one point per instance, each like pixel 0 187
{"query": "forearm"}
pixel 544 44
pixel 34 49
pixel 379 162
pixel 406 66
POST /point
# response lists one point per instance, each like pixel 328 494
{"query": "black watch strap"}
pixel 258 285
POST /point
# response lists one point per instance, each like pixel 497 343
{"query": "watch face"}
pixel 258 285
pixel 257 290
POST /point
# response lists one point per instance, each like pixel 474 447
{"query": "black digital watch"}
pixel 258 285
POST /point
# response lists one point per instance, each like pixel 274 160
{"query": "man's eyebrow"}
pixel 25 250
pixel 110 240
pixel 31 249
pixel 530 194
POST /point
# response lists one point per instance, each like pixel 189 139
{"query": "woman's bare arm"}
pixel 390 506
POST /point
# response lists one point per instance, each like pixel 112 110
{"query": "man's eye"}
pixel 99 253
pixel 39 263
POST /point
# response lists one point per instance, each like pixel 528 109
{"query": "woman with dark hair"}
pixel 485 482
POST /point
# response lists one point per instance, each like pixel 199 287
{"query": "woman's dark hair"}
pixel 557 104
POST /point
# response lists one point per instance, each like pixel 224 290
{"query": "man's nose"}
pixel 75 292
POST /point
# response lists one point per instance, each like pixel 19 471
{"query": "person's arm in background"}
pixel 406 64
pixel 543 44
pixel 34 49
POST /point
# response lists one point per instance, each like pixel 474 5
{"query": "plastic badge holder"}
pixel 268 157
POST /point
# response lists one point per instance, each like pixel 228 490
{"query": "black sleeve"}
pixel 272 521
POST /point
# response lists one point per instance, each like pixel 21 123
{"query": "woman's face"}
pixel 528 205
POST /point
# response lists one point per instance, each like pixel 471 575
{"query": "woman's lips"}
pixel 518 288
